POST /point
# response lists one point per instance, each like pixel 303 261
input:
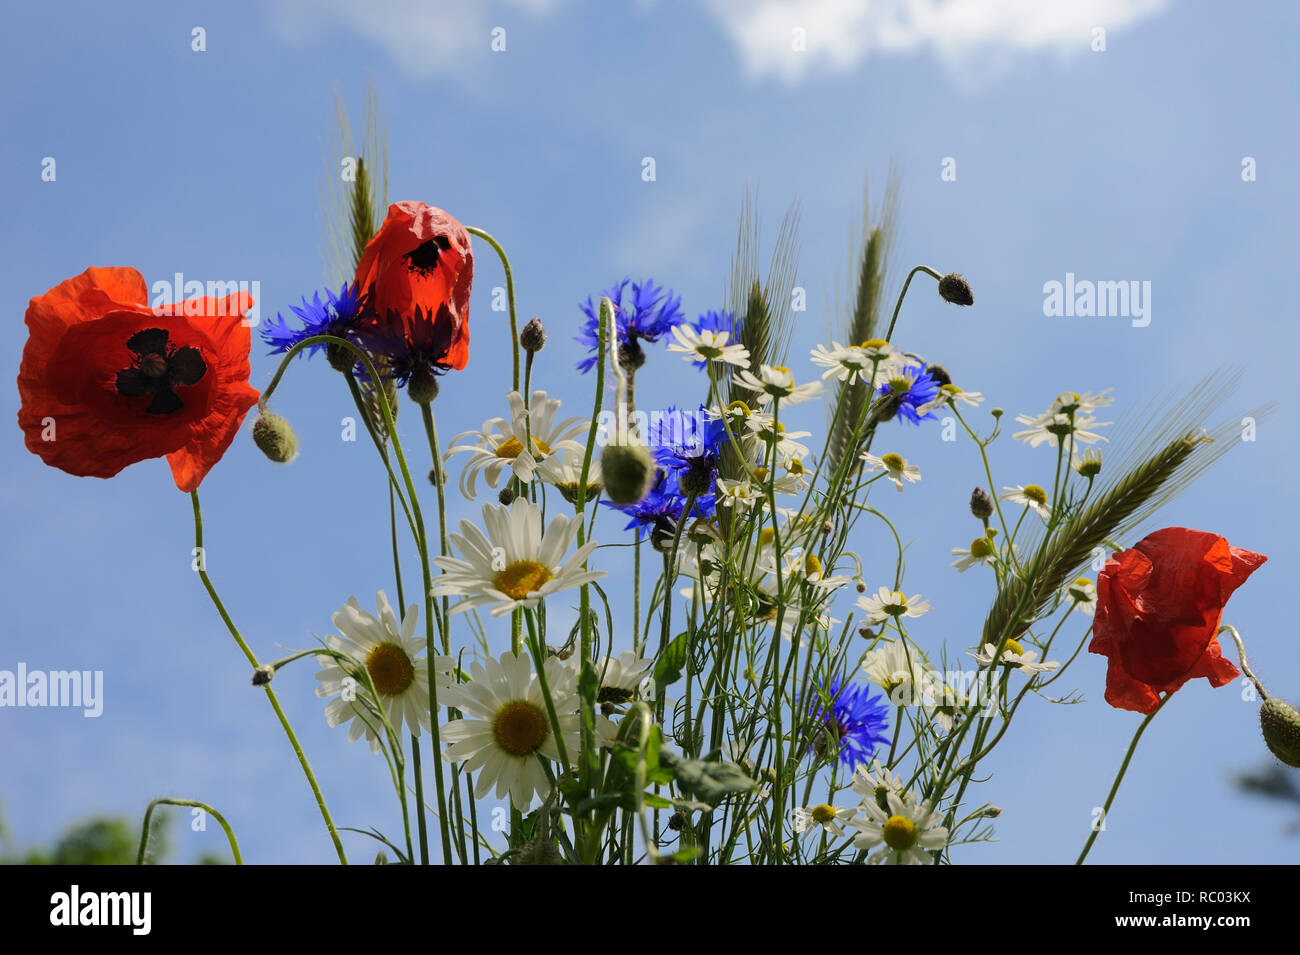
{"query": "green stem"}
pixel 510 296
pixel 194 803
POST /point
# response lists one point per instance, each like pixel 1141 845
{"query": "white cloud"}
pixel 838 34
pixel 423 37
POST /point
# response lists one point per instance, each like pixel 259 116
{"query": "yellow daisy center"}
pixel 1035 493
pixel 1013 646
pixel 981 547
pixel 513 447
pixel 390 669
pixel 893 461
pixel 876 343
pixel 522 578
pixel 739 407
pixel 899 832
pixel 822 814
pixel 794 467
pixel 812 566
pixel 766 536
pixel 760 475
pixel 520 728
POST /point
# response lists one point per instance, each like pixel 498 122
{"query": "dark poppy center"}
pixel 424 258
pixel 157 367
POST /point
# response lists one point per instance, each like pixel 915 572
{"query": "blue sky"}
pixel 1115 165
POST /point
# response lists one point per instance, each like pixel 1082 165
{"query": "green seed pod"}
pixel 628 472
pixel 1281 725
pixel 275 437
pixel 422 387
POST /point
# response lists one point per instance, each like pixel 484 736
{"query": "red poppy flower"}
pixel 107 381
pixel 1158 610
pixel 419 267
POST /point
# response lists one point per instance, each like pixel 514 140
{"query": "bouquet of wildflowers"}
pixel 656 640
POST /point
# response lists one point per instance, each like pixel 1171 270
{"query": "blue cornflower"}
pixel 690 447
pixel 908 391
pixel 335 316
pixel 858 720
pixel 648 315
pixel 715 321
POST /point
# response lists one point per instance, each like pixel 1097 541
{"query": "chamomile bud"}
pixel 274 436
pixel 263 675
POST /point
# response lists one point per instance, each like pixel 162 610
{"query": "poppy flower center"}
pixel 899 832
pixel 390 669
pixel 424 258
pixel 156 368
pixel 520 728
pixel 522 578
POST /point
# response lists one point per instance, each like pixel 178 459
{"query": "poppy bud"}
pixel 955 289
pixel 1281 726
pixel 939 374
pixel 533 336
pixel 981 505
pixel 627 471
pixel 422 386
pixel 263 675
pixel 507 496
pixel 677 822
pixel 696 481
pixel 275 437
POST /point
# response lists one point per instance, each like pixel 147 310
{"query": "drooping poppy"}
pixel 1158 609
pixel 107 381
pixel 418 270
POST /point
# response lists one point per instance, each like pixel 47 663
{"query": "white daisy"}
pixel 981 550
pixel 844 363
pixel 1013 655
pixel 514 564
pixel 500 445
pixel 776 381
pixel 888 603
pixel 951 394
pixel 1028 495
pixel 1084 592
pixel 827 817
pixel 701 346
pixel 1053 427
pixel 621 677
pixel 1071 402
pixel 391 656
pixel 900 835
pixel 875 781
pixel 1086 465
pixel 895 467
pixel 900 671
pixel 506 725
pixel 566 475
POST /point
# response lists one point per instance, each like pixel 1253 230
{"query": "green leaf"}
pixel 710 782
pixel 671 663
pixel 657 802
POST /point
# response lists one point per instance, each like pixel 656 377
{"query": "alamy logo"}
pixel 63 688
pixel 1087 299
pixel 75 907
pixel 167 293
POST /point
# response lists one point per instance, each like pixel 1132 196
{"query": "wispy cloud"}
pixel 793 38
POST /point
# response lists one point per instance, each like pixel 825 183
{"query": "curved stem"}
pixel 510 295
pixel 270 694
pixel 1119 778
pixel 194 803
pixel 903 294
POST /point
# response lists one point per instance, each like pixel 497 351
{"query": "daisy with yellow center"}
pixel 528 441
pixel 895 467
pixel 902 834
pixel 981 551
pixel 875 781
pixel 776 381
pixel 899 670
pixel 1086 465
pixel 385 654
pixel 514 564
pixel 566 475
pixel 1084 594
pixel 506 725
pixel 844 363
pixel 888 603
pixel 826 817
pixel 1013 655
pixel 701 346
pixel 1028 495
pixel 950 394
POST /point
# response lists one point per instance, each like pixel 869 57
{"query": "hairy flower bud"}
pixel 275 437
pixel 981 505
pixel 1281 726
pixel 533 335
pixel 507 495
pixel 263 675
pixel 422 387
pixel 955 289
pixel 628 472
